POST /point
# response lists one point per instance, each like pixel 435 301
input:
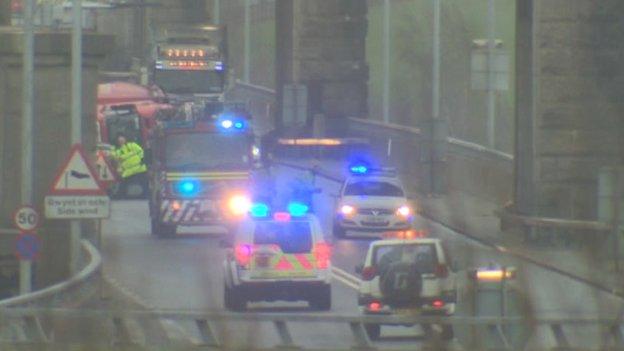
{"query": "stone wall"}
pixel 577 123
pixel 51 141
pixel 322 44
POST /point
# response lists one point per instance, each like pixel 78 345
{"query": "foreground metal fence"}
pixel 484 332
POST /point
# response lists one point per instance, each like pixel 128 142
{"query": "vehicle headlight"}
pixel 239 205
pixel 347 210
pixel 404 211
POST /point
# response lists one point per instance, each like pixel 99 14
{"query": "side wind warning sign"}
pixel 76 192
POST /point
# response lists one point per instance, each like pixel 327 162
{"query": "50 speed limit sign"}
pixel 26 219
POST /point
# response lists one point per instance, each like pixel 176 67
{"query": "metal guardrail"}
pixel 481 149
pixel 481 328
pixel 59 292
pixel 386 125
pixel 270 93
pixel 467 149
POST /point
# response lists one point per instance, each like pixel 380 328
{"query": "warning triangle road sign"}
pixel 105 171
pixel 76 177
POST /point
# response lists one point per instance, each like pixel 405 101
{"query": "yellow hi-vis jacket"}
pixel 130 159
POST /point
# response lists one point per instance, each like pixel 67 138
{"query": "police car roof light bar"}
pixel 297 209
pixel 282 216
pixel 259 210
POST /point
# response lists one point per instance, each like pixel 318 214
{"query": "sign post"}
pixel 76 194
pixel 26 220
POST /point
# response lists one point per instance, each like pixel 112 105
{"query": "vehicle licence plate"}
pixel 406 311
pixel 375 219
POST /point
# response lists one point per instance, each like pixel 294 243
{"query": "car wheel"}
pixel 447 333
pixel 233 300
pixel 162 230
pixel 373 331
pixel 338 231
pixel 321 301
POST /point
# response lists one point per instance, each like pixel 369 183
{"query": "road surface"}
pixel 185 273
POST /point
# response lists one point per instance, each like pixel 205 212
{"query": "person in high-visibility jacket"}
pixel 130 165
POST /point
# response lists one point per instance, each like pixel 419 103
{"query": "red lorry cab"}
pixel 130 109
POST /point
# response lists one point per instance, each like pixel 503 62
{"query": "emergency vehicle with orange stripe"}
pixel 278 256
pixel 201 172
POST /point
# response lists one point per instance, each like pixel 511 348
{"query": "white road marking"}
pixel 346 278
pixel 175 331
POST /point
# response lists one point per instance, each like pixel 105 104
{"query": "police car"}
pixel 407 273
pixel 372 201
pixel 278 256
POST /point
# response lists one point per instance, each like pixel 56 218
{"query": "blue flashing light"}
pixel 359 169
pixel 297 209
pixel 259 210
pixel 188 187
pixel 226 124
pixel 229 123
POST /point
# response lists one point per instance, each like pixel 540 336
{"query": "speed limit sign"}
pixel 26 218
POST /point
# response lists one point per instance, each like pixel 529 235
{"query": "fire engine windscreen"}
pixel 291 236
pixel 189 82
pixel 207 151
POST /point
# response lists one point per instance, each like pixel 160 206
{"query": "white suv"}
pixel 372 203
pixel 407 276
pixel 278 258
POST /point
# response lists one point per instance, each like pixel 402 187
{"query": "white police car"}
pixel 407 274
pixel 372 201
pixel 278 256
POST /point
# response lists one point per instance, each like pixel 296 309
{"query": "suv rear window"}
pixel 423 255
pixel 291 237
pixel 370 188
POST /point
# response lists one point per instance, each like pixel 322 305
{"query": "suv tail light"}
pixel 322 254
pixel 243 253
pixel 368 273
pixel 375 306
pixel 441 271
pixel 437 303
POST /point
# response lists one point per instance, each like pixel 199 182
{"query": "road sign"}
pixel 76 176
pixel 106 173
pixel 27 246
pixel 76 192
pixel 26 218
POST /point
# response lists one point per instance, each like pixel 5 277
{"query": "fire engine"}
pixel 201 172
